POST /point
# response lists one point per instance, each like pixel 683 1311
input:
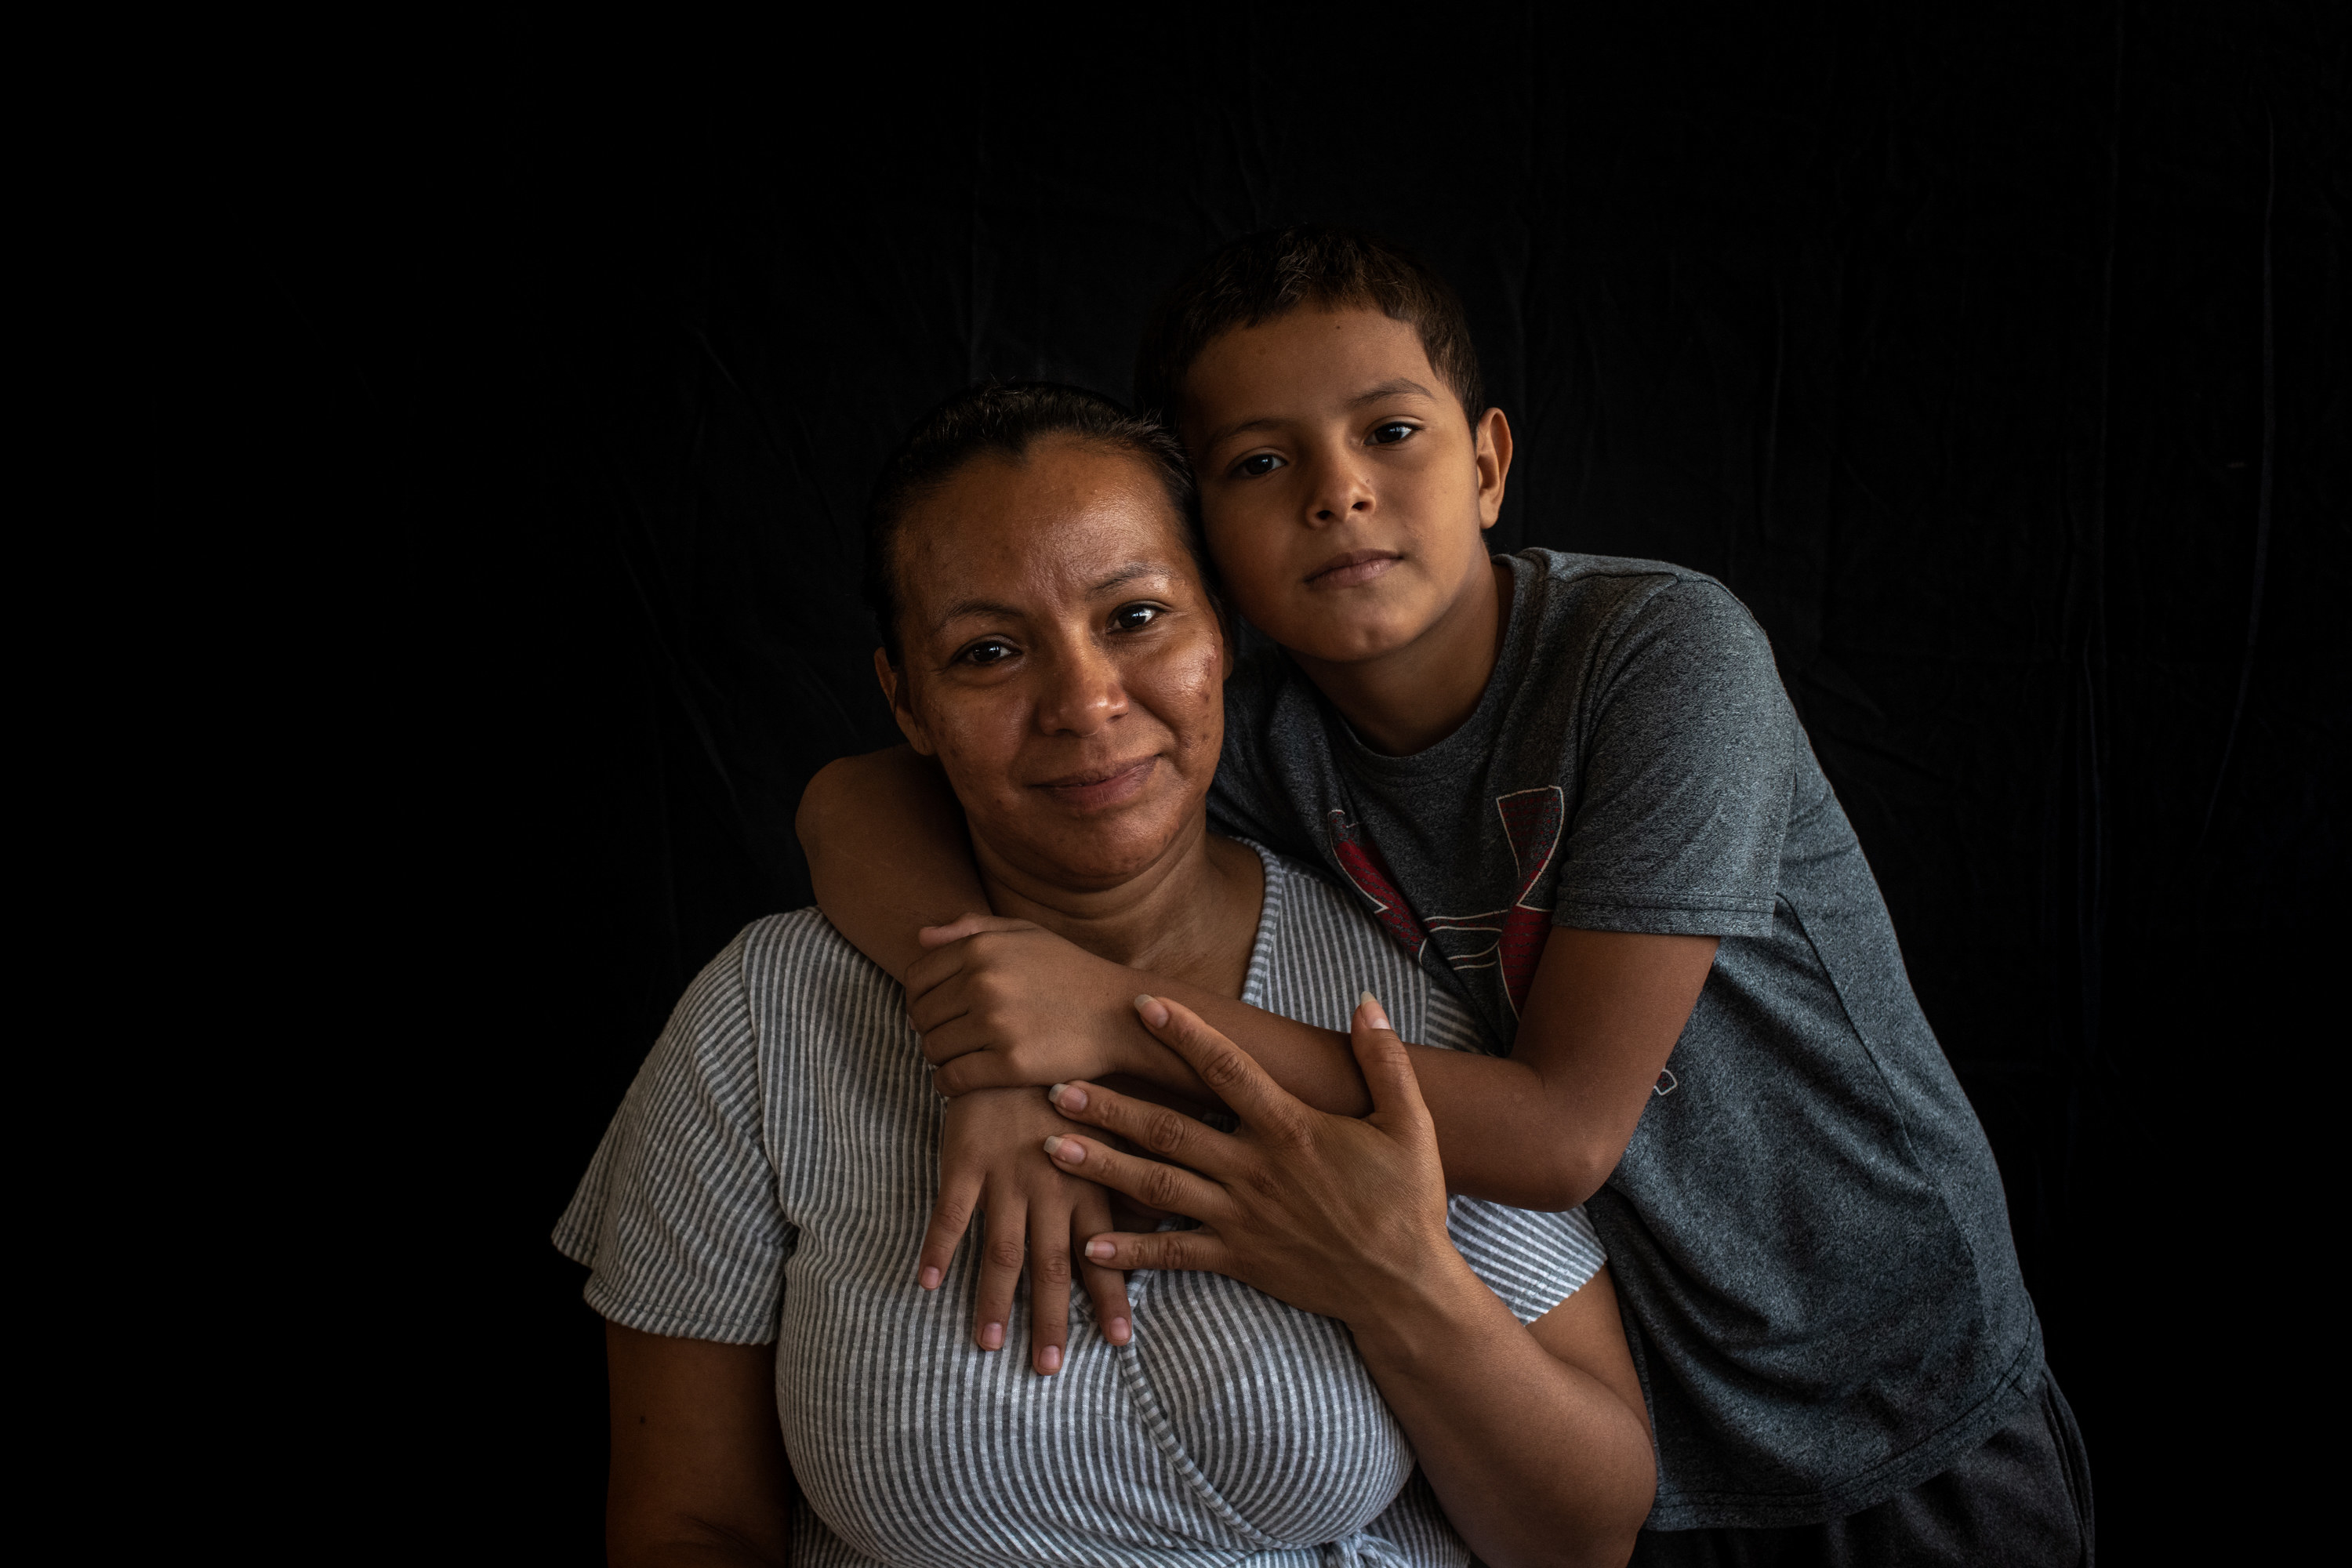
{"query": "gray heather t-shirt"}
pixel 1807 1230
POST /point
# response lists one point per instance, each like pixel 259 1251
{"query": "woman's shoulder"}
pixel 1319 949
pixel 801 952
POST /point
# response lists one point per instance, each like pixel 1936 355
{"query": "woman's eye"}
pixel 986 652
pixel 1389 435
pixel 1134 618
pixel 1258 463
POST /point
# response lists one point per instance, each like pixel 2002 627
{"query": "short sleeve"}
pixel 1242 801
pixel 677 1218
pixel 1533 1260
pixel 1688 760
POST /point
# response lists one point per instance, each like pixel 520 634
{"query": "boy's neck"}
pixel 1410 698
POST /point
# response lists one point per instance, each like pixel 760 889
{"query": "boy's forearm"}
pixel 887 852
pixel 1501 1135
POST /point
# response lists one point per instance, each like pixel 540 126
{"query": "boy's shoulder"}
pixel 1576 594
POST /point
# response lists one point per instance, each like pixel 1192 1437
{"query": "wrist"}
pixel 1429 1316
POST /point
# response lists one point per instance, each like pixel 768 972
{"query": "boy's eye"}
pixel 1390 433
pixel 1258 463
pixel 1134 618
pixel 987 651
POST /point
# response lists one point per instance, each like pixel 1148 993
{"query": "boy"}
pixel 1574 787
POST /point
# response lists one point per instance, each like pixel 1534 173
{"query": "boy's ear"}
pixel 1494 437
pixel 894 691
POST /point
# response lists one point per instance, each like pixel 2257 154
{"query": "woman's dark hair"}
pixel 1263 276
pixel 1006 419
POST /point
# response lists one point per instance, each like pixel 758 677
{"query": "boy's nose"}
pixel 1340 491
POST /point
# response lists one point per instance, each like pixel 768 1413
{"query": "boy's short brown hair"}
pixel 1261 276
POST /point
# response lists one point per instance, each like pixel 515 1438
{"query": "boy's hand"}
pixel 1035 1213
pixel 1338 1216
pixel 1003 1003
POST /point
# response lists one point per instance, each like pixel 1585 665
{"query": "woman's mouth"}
pixel 1098 788
pixel 1354 567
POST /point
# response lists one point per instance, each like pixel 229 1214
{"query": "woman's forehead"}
pixel 1067 518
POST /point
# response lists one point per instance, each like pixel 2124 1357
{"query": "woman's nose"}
pixel 1083 693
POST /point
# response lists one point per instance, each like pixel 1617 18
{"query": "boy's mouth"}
pixel 1354 567
pixel 1106 785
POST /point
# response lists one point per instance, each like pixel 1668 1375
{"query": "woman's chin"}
pixel 1097 850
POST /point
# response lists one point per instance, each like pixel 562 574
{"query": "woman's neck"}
pixel 1191 915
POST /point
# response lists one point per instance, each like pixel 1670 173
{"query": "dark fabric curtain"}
pixel 1997 359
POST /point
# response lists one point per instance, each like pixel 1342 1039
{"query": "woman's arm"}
pixel 1536 1438
pixel 699 1475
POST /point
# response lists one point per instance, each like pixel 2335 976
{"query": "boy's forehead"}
pixel 1313 360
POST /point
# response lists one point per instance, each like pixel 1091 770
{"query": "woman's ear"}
pixel 894 692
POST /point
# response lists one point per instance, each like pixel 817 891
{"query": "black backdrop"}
pixel 1998 362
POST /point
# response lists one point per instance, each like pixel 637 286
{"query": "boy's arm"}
pixel 1004 1003
pixel 887 852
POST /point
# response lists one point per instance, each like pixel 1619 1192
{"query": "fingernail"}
pixel 1119 1332
pixel 931 1279
pixel 1053 1143
pixel 1069 1150
pixel 992 1338
pixel 1050 1359
pixel 1100 1250
pixel 1155 1012
pixel 1379 1018
pixel 1065 1097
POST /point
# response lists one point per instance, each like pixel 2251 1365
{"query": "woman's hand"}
pixel 1004 1003
pixel 1335 1215
pixel 1534 1436
pixel 1035 1214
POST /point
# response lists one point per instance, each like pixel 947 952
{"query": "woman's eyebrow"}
pixel 963 607
pixel 1128 573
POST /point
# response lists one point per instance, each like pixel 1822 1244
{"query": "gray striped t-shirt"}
pixel 768 1176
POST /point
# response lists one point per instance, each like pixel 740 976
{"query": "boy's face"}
pixel 1345 493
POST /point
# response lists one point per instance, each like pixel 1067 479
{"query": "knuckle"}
pixel 1052 1269
pixel 1006 1252
pixel 1159 1188
pixel 1222 1069
pixel 1164 1131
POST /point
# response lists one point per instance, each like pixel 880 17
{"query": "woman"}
pixel 752 1210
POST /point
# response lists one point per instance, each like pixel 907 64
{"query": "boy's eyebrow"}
pixel 1396 388
pixel 1391 388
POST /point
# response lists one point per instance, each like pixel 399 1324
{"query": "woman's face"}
pixel 1063 662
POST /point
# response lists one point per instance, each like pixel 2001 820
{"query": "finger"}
pixel 1170 1134
pixel 1161 1187
pixel 1202 1251
pixel 956 1037
pixel 1386 1065
pixel 950 1217
pixel 1105 1287
pixel 956 930
pixel 1001 1257
pixel 1049 1281
pixel 1225 1067
pixel 967 924
pixel 978 1069
pixel 930 972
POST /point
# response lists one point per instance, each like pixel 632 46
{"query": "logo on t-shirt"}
pixel 1510 940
